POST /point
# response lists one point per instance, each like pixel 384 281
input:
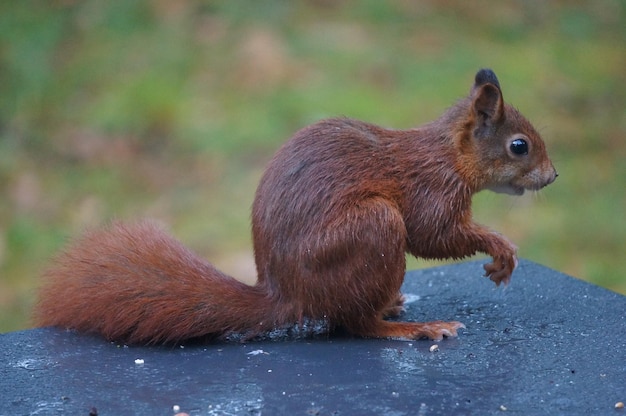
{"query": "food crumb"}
pixel 619 405
pixel 139 361
pixel 503 408
pixel 176 408
pixel 434 348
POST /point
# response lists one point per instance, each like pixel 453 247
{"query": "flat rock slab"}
pixel 547 344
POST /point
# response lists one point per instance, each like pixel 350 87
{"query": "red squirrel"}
pixel 335 212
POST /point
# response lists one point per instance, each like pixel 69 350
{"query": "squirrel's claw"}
pixel 438 329
pixel 500 270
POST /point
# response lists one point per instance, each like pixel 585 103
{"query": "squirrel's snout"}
pixel 552 177
pixel 549 178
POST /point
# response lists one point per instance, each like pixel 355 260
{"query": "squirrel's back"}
pixel 322 168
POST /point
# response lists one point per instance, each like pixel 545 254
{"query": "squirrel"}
pixel 337 208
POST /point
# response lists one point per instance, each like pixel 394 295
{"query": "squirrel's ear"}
pixel 487 101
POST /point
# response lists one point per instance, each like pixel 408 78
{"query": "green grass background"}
pixel 170 109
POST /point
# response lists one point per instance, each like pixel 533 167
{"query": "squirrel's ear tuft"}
pixel 486 76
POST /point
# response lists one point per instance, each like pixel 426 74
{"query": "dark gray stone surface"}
pixel 547 344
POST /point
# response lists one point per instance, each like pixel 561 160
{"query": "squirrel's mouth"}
pixel 518 190
pixel 508 188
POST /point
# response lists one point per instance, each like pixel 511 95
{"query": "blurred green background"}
pixel 170 109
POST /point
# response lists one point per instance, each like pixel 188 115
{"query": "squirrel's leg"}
pixel 363 281
pixel 503 252
pixel 467 238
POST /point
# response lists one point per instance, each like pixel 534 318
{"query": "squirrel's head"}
pixel 506 147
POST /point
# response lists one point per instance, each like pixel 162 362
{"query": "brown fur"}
pixel 336 210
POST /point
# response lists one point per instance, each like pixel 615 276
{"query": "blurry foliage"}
pixel 171 108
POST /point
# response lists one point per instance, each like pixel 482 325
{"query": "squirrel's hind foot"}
pixel 435 330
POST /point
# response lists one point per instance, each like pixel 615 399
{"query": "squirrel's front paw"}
pixel 500 270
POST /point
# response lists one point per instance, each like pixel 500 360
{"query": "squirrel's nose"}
pixel 552 177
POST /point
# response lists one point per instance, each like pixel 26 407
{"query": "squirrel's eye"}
pixel 519 147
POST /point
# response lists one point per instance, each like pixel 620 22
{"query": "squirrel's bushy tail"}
pixel 134 283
